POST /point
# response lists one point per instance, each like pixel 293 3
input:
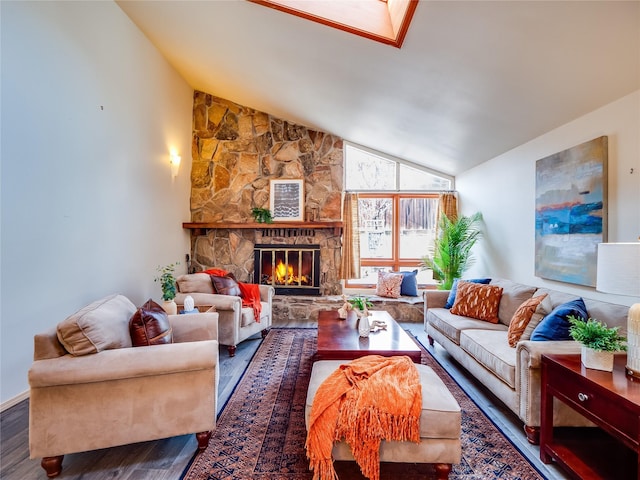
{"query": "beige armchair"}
pixel 235 322
pixel 122 395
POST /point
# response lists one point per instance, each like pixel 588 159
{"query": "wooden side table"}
pixel 611 400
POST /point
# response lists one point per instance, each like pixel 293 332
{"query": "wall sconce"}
pixel 618 271
pixel 174 160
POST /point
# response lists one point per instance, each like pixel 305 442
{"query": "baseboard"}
pixel 14 401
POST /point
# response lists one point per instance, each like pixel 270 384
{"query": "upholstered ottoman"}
pixel 439 424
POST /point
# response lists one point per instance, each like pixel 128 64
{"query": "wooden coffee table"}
pixel 338 339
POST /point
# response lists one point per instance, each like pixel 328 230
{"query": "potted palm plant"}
pixel 599 342
pixel 451 254
pixel 167 281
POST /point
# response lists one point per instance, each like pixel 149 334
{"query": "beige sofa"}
pixel 235 323
pixel 511 374
pixel 110 393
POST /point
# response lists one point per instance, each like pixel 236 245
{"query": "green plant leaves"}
pixel 262 215
pixel 451 255
pixel 596 335
pixel 167 281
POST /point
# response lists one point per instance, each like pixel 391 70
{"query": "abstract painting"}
pixel 286 200
pixel 571 212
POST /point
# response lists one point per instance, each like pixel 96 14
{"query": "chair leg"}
pixel 442 471
pixel 430 340
pixel 232 350
pixel 264 332
pixel 52 465
pixel 203 440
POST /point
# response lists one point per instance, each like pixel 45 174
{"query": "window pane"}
pixel 364 171
pixel 418 218
pixel 369 275
pixel 424 277
pixel 376 222
pixel 414 179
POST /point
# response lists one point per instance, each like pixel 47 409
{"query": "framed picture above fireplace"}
pixel 287 199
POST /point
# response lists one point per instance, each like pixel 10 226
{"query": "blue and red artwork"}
pixel 571 195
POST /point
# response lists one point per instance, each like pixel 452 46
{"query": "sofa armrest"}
pixel 124 363
pixel 266 293
pixel 194 327
pixel 529 375
pixel 435 298
pixel 529 352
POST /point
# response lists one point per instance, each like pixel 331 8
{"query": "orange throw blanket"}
pixel 250 292
pixel 370 399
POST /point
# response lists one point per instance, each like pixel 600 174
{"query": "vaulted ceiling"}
pixel 472 80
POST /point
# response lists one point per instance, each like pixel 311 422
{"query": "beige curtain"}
pixel 350 266
pixel 448 205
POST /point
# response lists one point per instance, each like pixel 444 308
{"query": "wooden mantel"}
pixel 200 228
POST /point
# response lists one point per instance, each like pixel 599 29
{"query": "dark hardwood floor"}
pixel 167 459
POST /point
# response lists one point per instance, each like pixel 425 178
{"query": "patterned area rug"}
pixel 260 433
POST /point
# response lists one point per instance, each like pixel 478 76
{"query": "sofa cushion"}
pixel 195 283
pixel 451 325
pixel 454 289
pixel 543 309
pixel 226 285
pixel 513 294
pixel 491 349
pixel 522 317
pixel 101 325
pixel 150 325
pixel 477 301
pixel 409 285
pixel 555 326
pixel 389 284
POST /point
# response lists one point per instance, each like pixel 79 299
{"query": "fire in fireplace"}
pixel 291 270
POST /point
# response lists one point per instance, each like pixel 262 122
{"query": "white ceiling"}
pixel 473 79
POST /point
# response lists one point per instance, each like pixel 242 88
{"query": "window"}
pixel 378 20
pixel 395 231
pixel 398 213
pixel 366 171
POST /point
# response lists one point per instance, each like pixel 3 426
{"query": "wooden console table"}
pixel 611 400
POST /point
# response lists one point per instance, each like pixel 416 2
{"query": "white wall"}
pixel 503 189
pixel 90 111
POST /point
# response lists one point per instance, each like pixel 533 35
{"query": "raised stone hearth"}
pixel 305 308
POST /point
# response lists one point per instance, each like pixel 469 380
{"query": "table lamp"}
pixel 618 272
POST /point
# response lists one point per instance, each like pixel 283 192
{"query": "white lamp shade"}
pixel 618 269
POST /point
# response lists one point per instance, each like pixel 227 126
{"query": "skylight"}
pixel 382 21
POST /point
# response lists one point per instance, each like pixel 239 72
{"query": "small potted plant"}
pixel 599 342
pixel 167 281
pixel 361 305
pixel 262 215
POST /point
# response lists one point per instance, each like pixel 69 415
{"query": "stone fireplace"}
pixel 236 151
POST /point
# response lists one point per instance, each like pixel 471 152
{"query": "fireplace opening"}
pixel 291 270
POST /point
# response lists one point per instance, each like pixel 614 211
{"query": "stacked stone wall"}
pixel 236 151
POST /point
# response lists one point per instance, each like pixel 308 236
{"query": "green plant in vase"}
pixel 167 281
pixel 360 303
pixel 599 342
pixel 596 335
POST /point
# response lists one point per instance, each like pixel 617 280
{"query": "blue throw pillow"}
pixel 409 284
pixel 555 326
pixel 454 289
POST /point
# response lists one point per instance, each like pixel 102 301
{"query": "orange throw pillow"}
pixel 521 318
pixel 477 301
